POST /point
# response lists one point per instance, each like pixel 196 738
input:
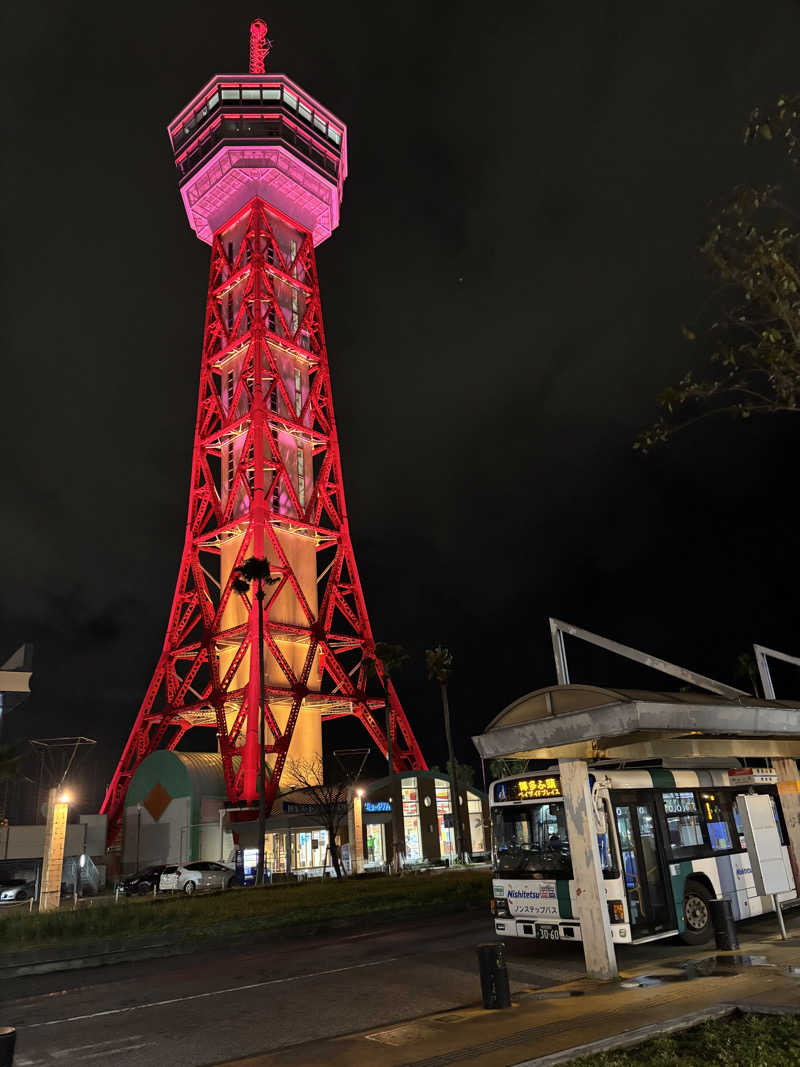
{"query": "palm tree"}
pixel 439 662
pixel 257 570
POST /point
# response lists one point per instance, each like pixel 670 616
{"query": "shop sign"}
pixel 289 808
pixel 377 805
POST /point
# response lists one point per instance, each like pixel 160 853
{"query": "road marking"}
pixel 112 1051
pixel 201 996
pixel 95 1044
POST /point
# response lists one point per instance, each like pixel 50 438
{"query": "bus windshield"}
pixel 532 840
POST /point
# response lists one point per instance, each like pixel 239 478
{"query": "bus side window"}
pixel 719 834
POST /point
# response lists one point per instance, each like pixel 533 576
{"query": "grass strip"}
pixel 240 911
pixel 737 1041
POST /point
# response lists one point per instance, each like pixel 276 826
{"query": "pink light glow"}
pixel 259 46
pixel 234 175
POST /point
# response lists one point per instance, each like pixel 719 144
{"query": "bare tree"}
pixel 328 801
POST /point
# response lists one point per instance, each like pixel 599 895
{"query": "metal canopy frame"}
pixel 762 663
pixel 559 628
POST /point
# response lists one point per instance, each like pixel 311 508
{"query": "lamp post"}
pixel 138 831
pixel 257 570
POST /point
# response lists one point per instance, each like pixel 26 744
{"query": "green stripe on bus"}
pixel 662 779
pixel 678 883
pixel 564 903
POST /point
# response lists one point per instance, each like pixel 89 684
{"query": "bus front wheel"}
pixel 696 914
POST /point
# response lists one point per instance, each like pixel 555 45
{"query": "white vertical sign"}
pixel 763 844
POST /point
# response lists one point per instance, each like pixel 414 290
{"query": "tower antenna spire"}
pixel 259 46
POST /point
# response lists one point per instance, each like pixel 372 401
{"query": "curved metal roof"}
pixel 204 770
pixel 590 722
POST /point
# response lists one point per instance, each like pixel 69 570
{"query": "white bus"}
pixel 670 841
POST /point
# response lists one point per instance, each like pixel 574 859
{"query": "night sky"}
pixel 529 184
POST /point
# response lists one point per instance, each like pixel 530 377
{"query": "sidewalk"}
pixel 549 1026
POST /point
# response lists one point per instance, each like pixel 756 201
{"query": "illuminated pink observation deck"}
pixel 259 135
pixel 261 167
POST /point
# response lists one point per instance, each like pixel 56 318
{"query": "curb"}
pixel 644 1033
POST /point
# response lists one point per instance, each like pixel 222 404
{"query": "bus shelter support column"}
pixel 590 893
pixel 789 793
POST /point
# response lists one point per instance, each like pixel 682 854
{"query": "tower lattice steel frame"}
pixel 261 168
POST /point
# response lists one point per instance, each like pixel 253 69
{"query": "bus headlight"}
pixel 616 912
pixel 499 907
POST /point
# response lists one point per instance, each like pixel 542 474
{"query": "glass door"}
pixel 644 865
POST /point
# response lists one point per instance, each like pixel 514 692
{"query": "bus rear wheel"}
pixel 696 914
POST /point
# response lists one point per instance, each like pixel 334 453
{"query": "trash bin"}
pixel 8 1038
pixel 494 975
pixel 724 929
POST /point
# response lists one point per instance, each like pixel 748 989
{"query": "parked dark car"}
pixel 141 882
pixel 16 889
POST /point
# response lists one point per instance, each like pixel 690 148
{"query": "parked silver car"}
pixel 201 874
pixel 15 890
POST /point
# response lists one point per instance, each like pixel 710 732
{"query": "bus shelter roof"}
pixel 584 721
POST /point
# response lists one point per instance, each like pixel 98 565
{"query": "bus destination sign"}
pixel 527 789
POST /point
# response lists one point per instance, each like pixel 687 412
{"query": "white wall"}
pixel 165 840
pixel 27 842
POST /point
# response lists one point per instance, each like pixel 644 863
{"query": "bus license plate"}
pixel 546 932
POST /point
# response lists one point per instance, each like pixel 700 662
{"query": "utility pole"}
pixel 257 571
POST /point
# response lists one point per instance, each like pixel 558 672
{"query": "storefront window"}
pixel 275 851
pixel 477 835
pixel 444 816
pixel 376 845
pixel 309 849
pixel 411 823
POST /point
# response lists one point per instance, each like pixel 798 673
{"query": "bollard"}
pixel 724 929
pixel 8 1038
pixel 494 975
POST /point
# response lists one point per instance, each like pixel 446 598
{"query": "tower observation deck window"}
pixel 334 135
pixel 304 112
pixel 230 94
pixel 251 94
pixel 290 99
pixel 320 123
pixel 271 92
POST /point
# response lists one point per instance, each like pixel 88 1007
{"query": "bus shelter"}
pixel 579 724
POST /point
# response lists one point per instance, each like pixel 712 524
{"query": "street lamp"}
pixel 257 570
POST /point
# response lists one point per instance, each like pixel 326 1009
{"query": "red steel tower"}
pixel 261 168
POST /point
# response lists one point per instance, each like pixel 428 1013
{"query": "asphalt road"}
pixel 211 1007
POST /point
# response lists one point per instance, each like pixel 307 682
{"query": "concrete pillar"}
pixel 355 832
pixel 590 893
pixel 53 859
pixel 789 793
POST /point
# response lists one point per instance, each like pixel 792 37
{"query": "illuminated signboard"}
pixel 528 789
